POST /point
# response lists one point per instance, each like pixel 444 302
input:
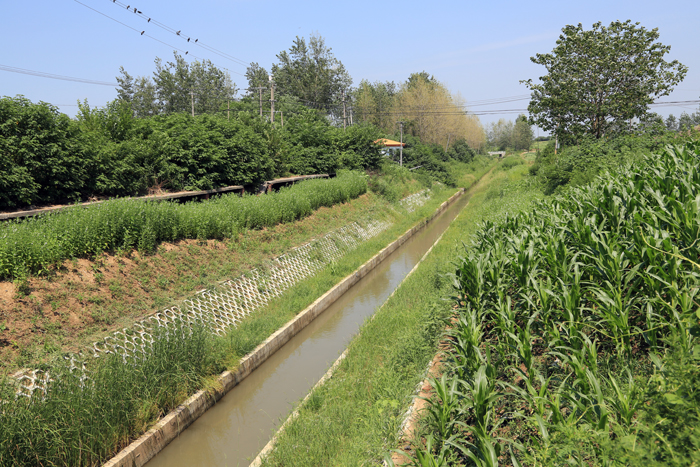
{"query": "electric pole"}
pixel 344 111
pixel 228 111
pixel 260 89
pixel 192 100
pixel 272 100
pixel 401 147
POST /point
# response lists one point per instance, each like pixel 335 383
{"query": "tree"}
pixel 372 102
pixel 500 134
pixel 434 114
pixel 522 133
pixel 671 123
pixel 311 73
pixel 599 79
pixel 688 121
pixel 257 77
pixel 175 86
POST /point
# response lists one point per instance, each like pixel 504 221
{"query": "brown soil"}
pixel 84 299
pixel 410 429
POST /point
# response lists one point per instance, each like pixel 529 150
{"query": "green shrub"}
pixel 39 159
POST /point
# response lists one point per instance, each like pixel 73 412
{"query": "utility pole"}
pixel 228 111
pixel 260 89
pixel 344 111
pixel 272 100
pixel 448 141
pixel 192 100
pixel 401 147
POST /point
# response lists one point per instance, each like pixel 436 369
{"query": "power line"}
pixel 42 74
pixel 149 36
pixel 179 33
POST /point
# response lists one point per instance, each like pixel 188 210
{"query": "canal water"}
pixel 235 430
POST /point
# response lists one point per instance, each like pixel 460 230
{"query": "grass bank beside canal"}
pixel 84 423
pixel 354 418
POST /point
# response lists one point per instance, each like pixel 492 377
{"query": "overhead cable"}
pixel 149 36
pixel 42 74
pixel 179 33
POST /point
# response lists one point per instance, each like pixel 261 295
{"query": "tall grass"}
pixel 36 244
pixel 576 335
pixel 82 422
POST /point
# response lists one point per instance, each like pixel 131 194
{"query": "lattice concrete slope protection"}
pixel 221 308
pixel 416 200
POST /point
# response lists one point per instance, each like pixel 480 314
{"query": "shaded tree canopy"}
pixel 601 78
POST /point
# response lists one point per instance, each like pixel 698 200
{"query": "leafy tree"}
pixel 688 121
pixel 522 133
pixel 144 100
pixel 39 158
pixel 671 123
pixel 311 73
pixel 461 151
pixel 175 87
pixel 372 102
pixel 500 134
pixel 125 91
pixel 257 76
pixel 431 112
pixel 596 80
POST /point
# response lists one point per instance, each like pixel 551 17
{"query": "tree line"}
pixel 505 134
pixel 46 157
pixel 423 106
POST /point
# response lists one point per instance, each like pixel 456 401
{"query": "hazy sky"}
pixel 479 49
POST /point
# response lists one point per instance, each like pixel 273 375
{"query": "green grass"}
pixel 355 416
pixel 80 422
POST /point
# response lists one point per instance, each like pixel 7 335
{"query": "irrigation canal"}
pixel 234 431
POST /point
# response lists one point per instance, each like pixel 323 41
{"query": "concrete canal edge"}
pixel 167 429
pixel 271 444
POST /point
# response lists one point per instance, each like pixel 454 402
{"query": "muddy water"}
pixel 233 431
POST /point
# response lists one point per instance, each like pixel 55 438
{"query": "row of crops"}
pixel 576 336
pixel 37 244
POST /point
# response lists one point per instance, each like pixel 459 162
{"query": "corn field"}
pixel 575 338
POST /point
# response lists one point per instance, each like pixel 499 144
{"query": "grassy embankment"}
pixel 81 423
pixel 575 341
pixel 99 268
pixel 353 419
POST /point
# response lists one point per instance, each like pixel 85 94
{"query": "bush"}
pixel 39 160
pixel 510 162
pixel 579 165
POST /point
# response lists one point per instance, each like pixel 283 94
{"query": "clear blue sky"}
pixel 480 49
